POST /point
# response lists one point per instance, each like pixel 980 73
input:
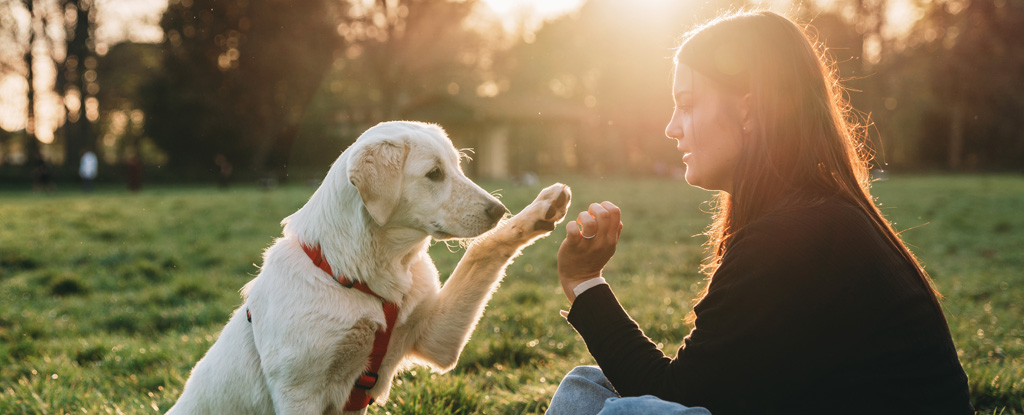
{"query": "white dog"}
pixel 352 268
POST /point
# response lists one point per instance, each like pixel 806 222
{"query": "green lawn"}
pixel 108 300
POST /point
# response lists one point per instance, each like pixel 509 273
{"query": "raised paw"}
pixel 541 216
pixel 557 208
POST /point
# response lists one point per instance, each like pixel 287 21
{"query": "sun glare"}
pixel 529 15
pixel 544 8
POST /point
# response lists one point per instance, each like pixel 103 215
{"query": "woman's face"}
pixel 707 127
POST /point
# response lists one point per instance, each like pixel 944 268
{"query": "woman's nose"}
pixel 670 132
pixel 674 129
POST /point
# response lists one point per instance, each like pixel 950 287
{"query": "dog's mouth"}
pixel 442 233
pixel 436 232
pixel 441 236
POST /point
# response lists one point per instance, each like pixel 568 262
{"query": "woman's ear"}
pixel 746 112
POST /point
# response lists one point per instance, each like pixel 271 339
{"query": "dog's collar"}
pixel 317 256
pixel 359 398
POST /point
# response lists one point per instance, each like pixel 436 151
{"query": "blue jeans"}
pixel 585 391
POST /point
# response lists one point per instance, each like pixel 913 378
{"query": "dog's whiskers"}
pixel 448 244
pixel 464 154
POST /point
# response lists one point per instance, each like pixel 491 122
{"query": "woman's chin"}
pixel 691 179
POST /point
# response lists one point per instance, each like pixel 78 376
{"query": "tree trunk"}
pixel 31 143
pixel 78 131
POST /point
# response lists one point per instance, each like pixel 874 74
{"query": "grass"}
pixel 107 300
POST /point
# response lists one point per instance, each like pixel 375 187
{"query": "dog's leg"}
pixel 312 372
pixel 447 321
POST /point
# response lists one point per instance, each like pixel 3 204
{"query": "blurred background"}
pixel 274 90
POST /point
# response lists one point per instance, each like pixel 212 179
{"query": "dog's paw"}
pixel 541 216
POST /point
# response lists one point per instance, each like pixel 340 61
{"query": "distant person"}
pixel 268 181
pixel 814 305
pixel 88 167
pixel 42 174
pixel 224 169
pixel 529 179
pixel 133 169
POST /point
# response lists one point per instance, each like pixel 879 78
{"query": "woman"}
pixel 814 305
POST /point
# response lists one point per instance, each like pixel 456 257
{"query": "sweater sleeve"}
pixel 749 334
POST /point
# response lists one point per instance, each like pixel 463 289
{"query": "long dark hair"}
pixel 807 144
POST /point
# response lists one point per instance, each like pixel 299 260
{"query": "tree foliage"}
pixel 275 84
pixel 391 57
pixel 974 66
pixel 236 76
pixel 943 95
pixel 243 78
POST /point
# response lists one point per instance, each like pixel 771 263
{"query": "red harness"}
pixel 359 398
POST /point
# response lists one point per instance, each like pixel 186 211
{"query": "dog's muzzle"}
pixel 495 211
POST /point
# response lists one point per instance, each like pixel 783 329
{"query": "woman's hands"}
pixel 586 250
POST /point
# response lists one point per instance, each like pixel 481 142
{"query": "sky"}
pixel 530 13
pixel 134 20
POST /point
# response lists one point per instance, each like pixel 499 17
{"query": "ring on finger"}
pixel 588 237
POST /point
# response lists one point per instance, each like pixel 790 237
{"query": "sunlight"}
pixel 12 107
pixel 526 16
pixel 47 106
pixel 131 20
pixel 543 8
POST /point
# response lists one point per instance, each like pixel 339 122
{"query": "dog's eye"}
pixel 436 174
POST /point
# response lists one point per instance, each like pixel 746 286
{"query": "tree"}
pixel 236 77
pixel 983 73
pixel 69 54
pixel 124 71
pixel 239 77
pixel 394 57
pixel 31 142
pixel 77 78
pixel 407 49
pixel 613 60
pixel 283 60
pixel 942 95
pixel 959 99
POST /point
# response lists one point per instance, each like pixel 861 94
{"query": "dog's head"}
pixel 408 175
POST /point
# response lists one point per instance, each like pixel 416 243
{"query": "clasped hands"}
pixel 589 243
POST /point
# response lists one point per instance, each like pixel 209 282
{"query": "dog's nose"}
pixel 495 211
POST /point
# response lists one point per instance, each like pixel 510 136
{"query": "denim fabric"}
pixel 582 392
pixel 648 405
pixel 585 391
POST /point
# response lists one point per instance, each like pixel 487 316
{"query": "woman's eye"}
pixel 435 175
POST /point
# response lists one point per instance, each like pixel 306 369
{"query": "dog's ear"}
pixel 377 173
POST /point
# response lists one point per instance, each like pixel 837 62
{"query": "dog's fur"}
pixel 373 217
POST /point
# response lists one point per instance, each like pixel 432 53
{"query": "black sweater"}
pixel 810 312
